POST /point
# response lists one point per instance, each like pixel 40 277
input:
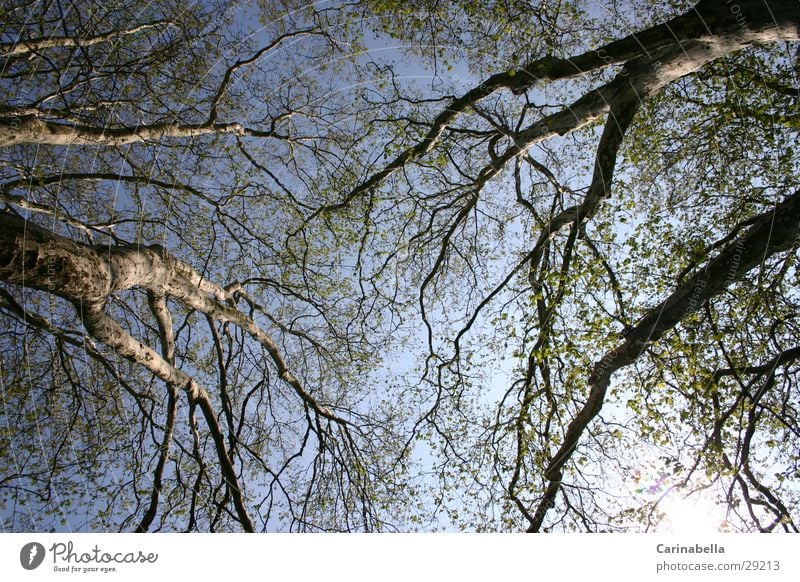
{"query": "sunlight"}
pixel 697 514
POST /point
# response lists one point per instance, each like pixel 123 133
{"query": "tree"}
pixel 576 259
pixel 107 124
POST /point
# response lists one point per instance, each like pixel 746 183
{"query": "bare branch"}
pixel 24 47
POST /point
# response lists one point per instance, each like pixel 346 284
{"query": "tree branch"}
pixel 772 232
pixel 24 47
pixel 31 129
pixel 689 41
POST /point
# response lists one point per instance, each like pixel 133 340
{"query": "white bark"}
pixel 86 275
pixel 24 47
pixel 30 129
pixel 659 56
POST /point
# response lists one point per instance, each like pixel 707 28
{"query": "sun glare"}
pixel 697 514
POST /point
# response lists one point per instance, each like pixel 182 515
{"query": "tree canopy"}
pixel 380 266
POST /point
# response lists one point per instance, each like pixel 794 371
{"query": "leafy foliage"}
pixel 494 266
